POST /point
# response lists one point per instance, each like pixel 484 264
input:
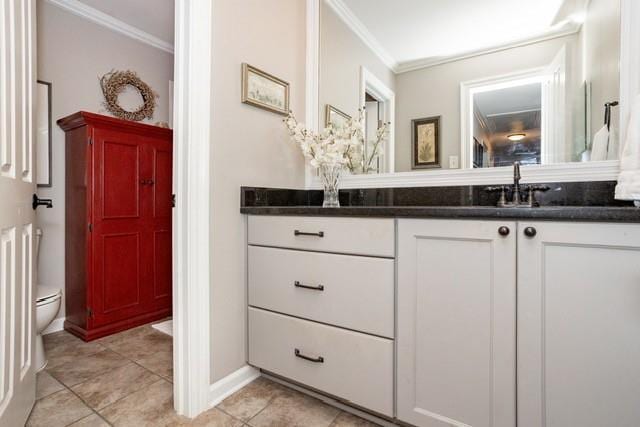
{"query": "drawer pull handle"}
pixel 302 233
pixel 297 284
pixel 318 359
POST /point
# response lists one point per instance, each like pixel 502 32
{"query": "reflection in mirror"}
pixel 534 81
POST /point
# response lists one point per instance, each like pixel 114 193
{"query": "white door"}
pixel 554 111
pixel 17 82
pixel 456 343
pixel 578 325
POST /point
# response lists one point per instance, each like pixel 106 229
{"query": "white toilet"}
pixel 48 300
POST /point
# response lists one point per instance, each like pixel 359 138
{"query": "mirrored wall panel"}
pixel 474 83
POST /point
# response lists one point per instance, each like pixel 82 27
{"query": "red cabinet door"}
pixel 118 276
pixel 131 235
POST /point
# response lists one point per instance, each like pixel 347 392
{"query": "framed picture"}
pixel 335 116
pixel 43 134
pixel 426 143
pixel 263 90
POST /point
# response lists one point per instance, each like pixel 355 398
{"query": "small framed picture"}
pixel 43 134
pixel 426 143
pixel 335 116
pixel 263 90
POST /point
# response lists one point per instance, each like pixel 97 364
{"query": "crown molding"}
pixel 97 17
pixel 407 66
pixel 359 29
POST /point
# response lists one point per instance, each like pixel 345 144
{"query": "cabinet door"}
pixel 578 325
pixel 118 275
pixel 157 197
pixel 456 323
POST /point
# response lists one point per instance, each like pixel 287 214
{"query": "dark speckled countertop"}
pixel 590 201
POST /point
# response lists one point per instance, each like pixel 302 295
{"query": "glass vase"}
pixel 330 176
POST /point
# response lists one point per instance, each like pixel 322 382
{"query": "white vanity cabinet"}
pixel 571 344
pixel 578 325
pixel 321 304
pixel 456 311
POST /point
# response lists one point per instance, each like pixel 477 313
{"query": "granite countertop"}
pixel 556 213
pixel 578 201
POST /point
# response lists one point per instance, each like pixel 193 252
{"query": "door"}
pixel 17 185
pixel 456 323
pixel 117 234
pixel 578 325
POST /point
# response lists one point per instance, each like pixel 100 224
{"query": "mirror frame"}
pixel 562 172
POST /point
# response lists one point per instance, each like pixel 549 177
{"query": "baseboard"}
pixel 56 326
pixel 233 382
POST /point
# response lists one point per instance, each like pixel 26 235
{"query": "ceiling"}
pixel 415 30
pixel 155 17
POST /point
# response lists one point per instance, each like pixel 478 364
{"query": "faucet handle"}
pixel 532 188
pixel 503 195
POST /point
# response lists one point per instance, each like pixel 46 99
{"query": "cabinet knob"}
pixel 504 230
pixel 530 231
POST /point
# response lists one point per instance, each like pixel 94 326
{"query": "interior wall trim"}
pixel 359 29
pixel 567 172
pixel 97 17
pixel 233 382
pixel 193 122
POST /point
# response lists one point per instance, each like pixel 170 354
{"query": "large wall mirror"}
pixel 475 84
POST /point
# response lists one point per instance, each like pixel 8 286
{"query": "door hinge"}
pixel 90 228
pixel 173 200
pixel 90 141
pixel 89 312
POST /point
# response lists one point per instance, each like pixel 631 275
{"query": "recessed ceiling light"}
pixel 517 136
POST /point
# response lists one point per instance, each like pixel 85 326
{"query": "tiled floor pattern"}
pixel 125 380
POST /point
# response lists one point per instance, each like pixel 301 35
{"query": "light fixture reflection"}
pixel 515 137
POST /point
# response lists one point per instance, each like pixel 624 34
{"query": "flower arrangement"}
pixel 336 148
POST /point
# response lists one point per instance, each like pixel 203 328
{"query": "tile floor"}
pixel 125 380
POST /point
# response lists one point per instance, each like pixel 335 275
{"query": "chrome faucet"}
pixel 517 201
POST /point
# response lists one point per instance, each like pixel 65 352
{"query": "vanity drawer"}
pixel 343 290
pixel 354 366
pixel 360 236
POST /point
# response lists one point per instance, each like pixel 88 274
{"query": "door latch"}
pixel 36 201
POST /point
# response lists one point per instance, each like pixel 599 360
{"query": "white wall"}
pixel 72 54
pixel 435 91
pixel 250 146
pixel 602 58
pixel 342 53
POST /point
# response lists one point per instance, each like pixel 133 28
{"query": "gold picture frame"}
pixel 335 116
pixel 264 90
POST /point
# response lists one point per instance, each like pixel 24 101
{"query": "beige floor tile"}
pixel 62 347
pixel 57 410
pixel 141 343
pixel 253 398
pixel 160 363
pixel 151 406
pixel 113 385
pixel 92 420
pixel 46 385
pixel 295 410
pixel 118 337
pixel 211 418
pixel 82 368
pixel 346 419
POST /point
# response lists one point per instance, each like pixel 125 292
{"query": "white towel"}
pixel 628 187
pixel 600 145
pixel 614 147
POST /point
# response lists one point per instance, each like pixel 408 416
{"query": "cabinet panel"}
pixel 358 236
pixel 456 323
pixel 347 291
pixel 353 366
pixel 119 166
pixel 578 325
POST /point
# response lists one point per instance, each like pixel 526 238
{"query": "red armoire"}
pixel 118 224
